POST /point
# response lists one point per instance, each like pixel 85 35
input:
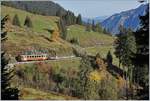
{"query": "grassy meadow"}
pixel 40 23
pixel 87 39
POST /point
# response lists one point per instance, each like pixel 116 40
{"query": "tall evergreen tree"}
pixel 93 26
pixel 16 20
pixel 88 26
pixel 125 50
pixel 62 27
pixel 79 20
pixel 106 31
pixel 85 69
pixel 141 59
pixel 7 93
pixel 28 22
pixel 109 58
pixel 98 28
pixel 59 13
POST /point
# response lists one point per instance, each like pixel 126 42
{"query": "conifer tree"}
pixel 79 20
pixel 98 28
pixel 109 58
pixel 85 69
pixel 16 20
pixel 62 27
pixel 7 92
pixel 141 59
pixel 125 50
pixel 88 26
pixel 93 26
pixel 125 46
pixel 28 22
pixel 59 13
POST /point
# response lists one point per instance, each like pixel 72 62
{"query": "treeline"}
pixel 95 27
pixel 48 8
pixel 132 49
pixel 27 22
pixel 7 91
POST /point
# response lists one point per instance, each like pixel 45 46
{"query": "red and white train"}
pixel 33 57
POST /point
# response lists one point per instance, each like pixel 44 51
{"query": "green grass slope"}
pixel 87 39
pixel 34 94
pixel 21 38
pixel 39 22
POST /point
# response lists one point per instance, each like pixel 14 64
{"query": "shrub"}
pixel 74 41
pixel 28 22
pixel 16 20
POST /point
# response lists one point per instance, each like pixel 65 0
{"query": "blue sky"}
pixel 94 8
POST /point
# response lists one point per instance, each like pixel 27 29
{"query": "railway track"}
pixel 11 65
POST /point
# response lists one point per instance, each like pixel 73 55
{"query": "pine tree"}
pixel 79 20
pixel 7 93
pixel 28 22
pixel 59 13
pixel 16 20
pixel 93 26
pixel 88 26
pixel 125 46
pixel 125 50
pixel 85 69
pixel 98 28
pixel 105 31
pixel 62 27
pixel 109 58
pixel 141 59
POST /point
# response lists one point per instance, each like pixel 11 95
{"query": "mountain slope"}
pixel 88 39
pixel 43 8
pixel 21 38
pixel 40 23
pixel 96 19
pixel 129 19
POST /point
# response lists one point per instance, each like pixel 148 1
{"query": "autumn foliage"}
pixel 55 36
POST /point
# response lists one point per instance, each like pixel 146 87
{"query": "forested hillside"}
pixel 44 8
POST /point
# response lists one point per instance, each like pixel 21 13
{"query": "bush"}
pixel 16 20
pixel 74 41
pixel 28 22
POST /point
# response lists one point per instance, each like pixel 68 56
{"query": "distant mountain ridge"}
pixel 48 8
pixel 96 19
pixel 128 19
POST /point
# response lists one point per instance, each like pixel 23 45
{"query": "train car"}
pixel 33 57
